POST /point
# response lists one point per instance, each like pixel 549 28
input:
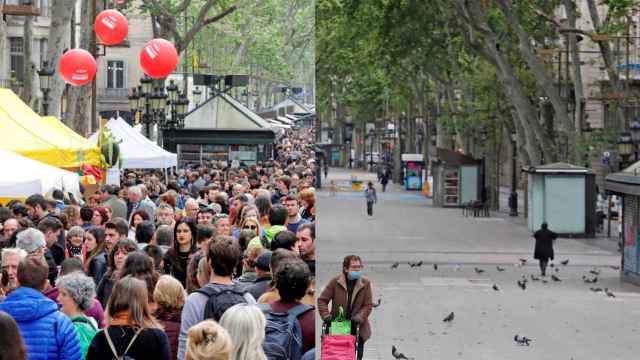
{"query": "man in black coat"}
pixel 544 246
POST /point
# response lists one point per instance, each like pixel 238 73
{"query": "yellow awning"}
pixel 44 139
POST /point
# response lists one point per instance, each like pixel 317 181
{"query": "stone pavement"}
pixel 564 318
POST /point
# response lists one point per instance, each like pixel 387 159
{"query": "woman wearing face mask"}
pixel 351 286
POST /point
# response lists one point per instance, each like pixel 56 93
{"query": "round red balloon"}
pixel 158 58
pixel 77 67
pixel 111 27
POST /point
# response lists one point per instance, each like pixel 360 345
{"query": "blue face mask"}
pixel 355 275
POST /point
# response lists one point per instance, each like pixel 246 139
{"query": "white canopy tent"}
pixel 27 177
pixel 138 152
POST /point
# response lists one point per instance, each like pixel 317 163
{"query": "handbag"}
pixel 113 348
pixel 340 326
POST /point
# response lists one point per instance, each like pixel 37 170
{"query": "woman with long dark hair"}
pixel 131 330
pixel 139 265
pixel 95 263
pixel 11 344
pixel 184 245
pixel 116 263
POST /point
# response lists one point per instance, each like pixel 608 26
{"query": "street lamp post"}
pixel 197 95
pixel 513 197
pixel 634 129
pixel 45 74
pixel 625 147
pixel 134 100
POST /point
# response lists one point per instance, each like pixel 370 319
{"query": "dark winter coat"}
pixel 104 289
pixel 544 244
pixel 151 344
pixel 170 320
pixel 98 267
pixel 361 302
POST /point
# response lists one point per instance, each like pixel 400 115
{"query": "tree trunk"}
pixel 537 67
pixel 3 35
pixel 28 74
pixel 79 97
pixel 609 63
pixel 59 40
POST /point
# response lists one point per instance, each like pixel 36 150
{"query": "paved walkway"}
pixel 564 318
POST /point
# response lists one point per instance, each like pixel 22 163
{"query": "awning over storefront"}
pixel 26 133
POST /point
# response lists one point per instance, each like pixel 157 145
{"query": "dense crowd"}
pixel 213 262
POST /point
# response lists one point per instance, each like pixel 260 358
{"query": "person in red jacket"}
pixel 169 296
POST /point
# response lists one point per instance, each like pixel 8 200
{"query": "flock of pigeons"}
pixel 592 278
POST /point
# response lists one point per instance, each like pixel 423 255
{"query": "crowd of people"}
pixel 210 263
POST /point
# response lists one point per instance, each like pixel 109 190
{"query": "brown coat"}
pixel 361 302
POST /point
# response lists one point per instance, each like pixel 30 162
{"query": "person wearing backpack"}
pixel 131 333
pixel 289 320
pixel 212 300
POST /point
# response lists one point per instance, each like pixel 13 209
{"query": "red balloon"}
pixel 111 27
pixel 77 67
pixel 158 58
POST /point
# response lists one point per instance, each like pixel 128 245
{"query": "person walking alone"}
pixel 384 180
pixel 544 246
pixel 370 195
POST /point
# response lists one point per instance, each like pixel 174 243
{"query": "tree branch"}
pixel 219 16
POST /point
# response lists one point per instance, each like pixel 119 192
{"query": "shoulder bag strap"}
pixel 113 348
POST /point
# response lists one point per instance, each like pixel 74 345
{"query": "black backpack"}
pixel 283 332
pixel 221 299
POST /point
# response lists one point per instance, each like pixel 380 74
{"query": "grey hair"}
pixel 30 240
pixel 13 251
pixel 80 287
pixel 136 190
pixel 75 231
pixel 164 206
pixel 216 208
pixel 164 235
pixel 246 326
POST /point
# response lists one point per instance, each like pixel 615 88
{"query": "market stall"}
pixel 29 177
pixel 37 138
pixel 137 151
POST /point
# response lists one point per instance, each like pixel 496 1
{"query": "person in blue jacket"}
pixel 47 332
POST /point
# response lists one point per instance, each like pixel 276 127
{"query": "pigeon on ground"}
pixel 522 284
pixel 595 289
pixel 375 305
pixel 555 278
pixel 449 317
pixel 609 293
pixel 590 281
pixel 595 272
pixel 557 270
pixel 499 268
pixel 478 270
pixel 522 261
pixel 495 287
pixel 551 265
pixel 412 264
pixel 419 263
pixel 544 281
pixel 565 262
pixel 615 267
pixel 522 340
pixel 396 354
pixel 395 265
pixel 435 267
pixel 534 278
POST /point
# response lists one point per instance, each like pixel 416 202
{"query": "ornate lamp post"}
pixel 634 129
pixel 172 90
pixel 197 96
pixel 134 100
pixel 625 147
pixel 181 110
pixel 45 74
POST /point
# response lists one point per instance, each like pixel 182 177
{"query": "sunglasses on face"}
pixel 250 227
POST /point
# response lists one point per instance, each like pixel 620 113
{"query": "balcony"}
pixel 112 95
pixel 12 84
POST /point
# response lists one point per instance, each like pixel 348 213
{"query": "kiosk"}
pixel 412 171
